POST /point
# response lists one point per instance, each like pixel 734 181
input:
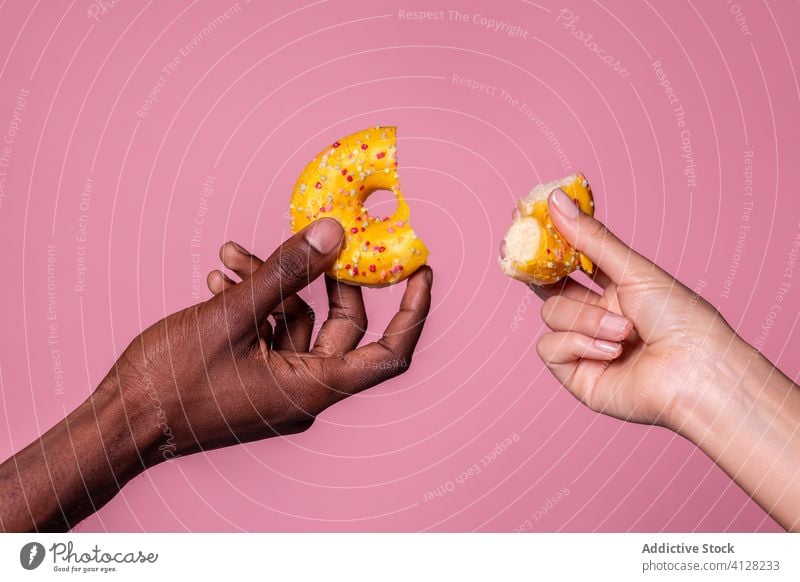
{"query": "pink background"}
pixel 259 95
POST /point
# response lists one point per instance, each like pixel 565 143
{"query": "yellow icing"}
pixel 549 267
pixel 379 251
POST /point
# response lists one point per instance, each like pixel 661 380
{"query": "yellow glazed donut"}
pixel 377 251
pixel 532 250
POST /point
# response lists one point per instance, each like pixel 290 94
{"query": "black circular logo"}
pixel 31 555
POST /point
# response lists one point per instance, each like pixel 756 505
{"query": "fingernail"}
pixel 615 325
pixel 563 203
pixel 606 346
pixel 324 235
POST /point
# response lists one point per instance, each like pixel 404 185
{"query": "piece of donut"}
pixel 377 251
pixel 532 250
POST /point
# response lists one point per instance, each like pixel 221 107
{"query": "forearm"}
pixel 73 470
pixel 746 417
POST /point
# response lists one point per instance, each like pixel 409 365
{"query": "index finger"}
pixel 590 236
pixel 296 262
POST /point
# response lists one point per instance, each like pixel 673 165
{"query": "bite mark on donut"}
pixel 532 250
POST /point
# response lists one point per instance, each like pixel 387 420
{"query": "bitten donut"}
pixel 377 251
pixel 532 250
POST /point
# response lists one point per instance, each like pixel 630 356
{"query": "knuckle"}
pixel 645 280
pixel 394 363
pixel 596 230
pixel 393 367
pixel 291 265
pixel 401 365
pixel 358 319
pixel 594 315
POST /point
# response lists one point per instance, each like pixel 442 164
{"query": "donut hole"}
pixel 381 203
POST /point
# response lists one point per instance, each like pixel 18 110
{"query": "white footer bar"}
pixel 389 557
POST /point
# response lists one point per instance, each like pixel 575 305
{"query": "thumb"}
pixel 294 264
pixel 590 236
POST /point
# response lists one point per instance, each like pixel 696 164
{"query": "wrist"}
pixel 745 417
pixel 86 459
pixel 723 390
pixel 135 422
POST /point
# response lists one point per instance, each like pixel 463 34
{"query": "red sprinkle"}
pixel 362 273
pixel 349 178
pixel 381 249
pixel 362 187
pixel 548 251
pixel 355 272
pixel 372 268
pixel 336 144
pixel 344 171
pixel 354 230
pixel 363 229
pixel 318 185
pixel 380 155
pixel 347 266
pixel 364 146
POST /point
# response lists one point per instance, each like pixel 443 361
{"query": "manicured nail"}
pixel 606 346
pixel 324 235
pixel 615 325
pixel 564 204
pixel 429 275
